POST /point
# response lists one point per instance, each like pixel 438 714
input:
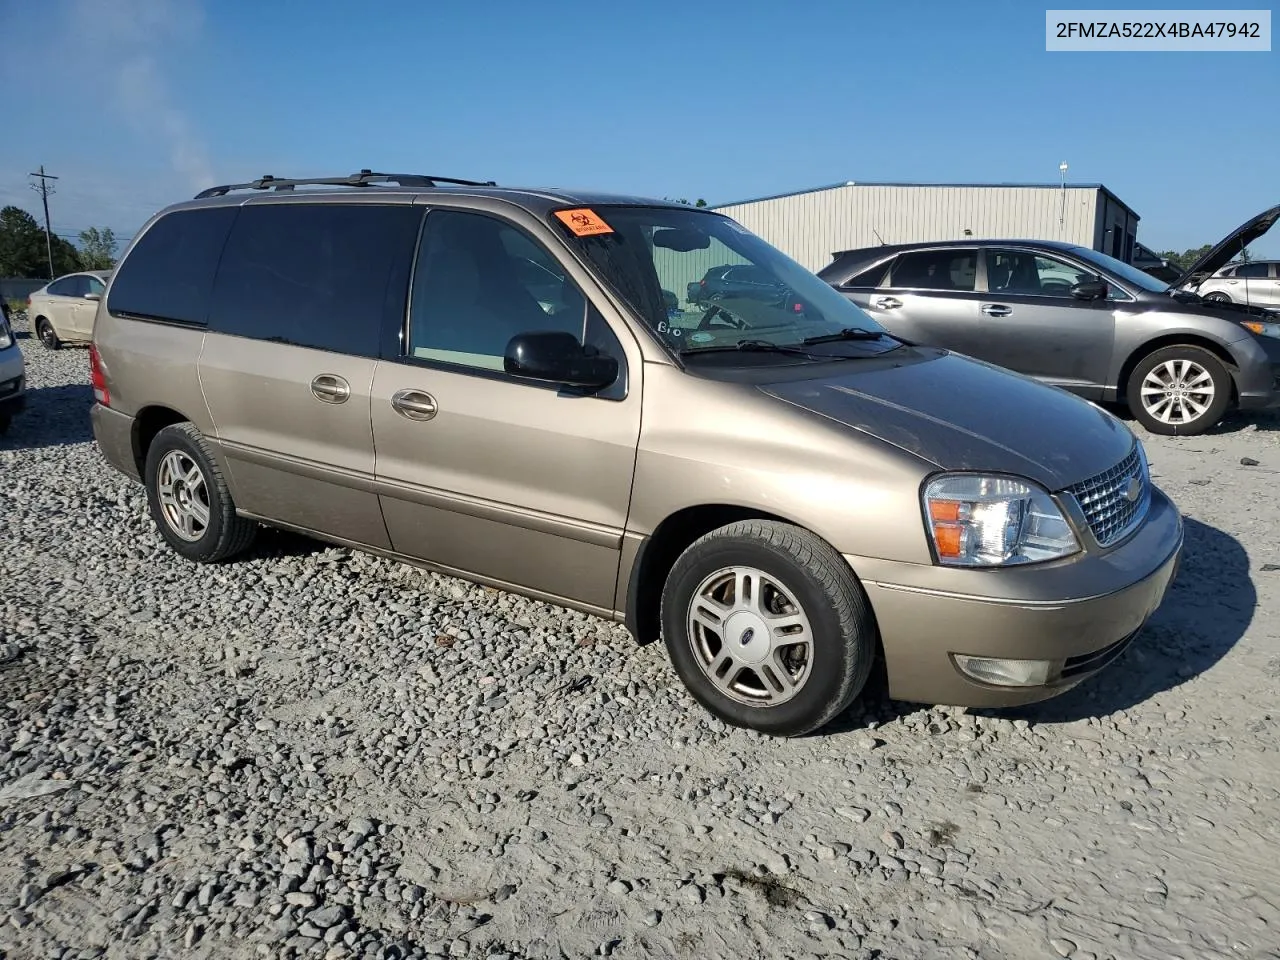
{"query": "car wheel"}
pixel 1179 391
pixel 48 338
pixel 189 500
pixel 1219 296
pixel 768 627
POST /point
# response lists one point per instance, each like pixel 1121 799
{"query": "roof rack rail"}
pixel 362 179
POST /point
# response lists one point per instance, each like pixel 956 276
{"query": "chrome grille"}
pixel 1110 513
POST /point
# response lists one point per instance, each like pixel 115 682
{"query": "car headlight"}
pixel 991 521
pixel 1262 328
pixel 6 335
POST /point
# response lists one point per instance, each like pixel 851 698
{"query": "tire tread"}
pixel 827 566
pixel 236 533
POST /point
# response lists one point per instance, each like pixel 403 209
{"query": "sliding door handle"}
pixel 414 404
pixel 330 388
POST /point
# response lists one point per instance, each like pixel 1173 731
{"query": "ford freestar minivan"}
pixel 492 383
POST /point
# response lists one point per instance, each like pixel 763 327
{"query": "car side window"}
pixel 1028 274
pixel 955 270
pixel 62 288
pixel 1252 270
pixel 314 275
pixel 168 273
pixel 872 277
pixel 95 286
pixel 474 289
pixel 79 286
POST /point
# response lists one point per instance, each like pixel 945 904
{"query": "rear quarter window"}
pixel 870 276
pixel 316 275
pixel 168 275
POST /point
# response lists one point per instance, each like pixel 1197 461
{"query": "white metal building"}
pixel 811 225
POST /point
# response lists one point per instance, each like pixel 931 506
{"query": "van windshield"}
pixel 704 283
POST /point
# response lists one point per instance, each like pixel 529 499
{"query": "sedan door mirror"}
pixel 1091 289
pixel 93 296
pixel 559 357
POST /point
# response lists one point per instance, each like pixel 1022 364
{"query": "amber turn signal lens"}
pixel 944 511
pixel 949 540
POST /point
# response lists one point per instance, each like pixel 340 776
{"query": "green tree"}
pixel 97 248
pixel 1187 257
pixel 22 248
pixel 698 203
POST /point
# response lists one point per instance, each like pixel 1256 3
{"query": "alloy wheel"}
pixel 184 496
pixel 1177 392
pixel 750 636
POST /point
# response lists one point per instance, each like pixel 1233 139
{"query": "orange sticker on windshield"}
pixel 583 222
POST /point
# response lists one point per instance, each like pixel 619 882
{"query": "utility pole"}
pixel 44 189
pixel 1061 211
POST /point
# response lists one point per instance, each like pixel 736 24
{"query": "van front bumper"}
pixel 1045 628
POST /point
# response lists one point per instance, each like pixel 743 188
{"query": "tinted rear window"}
pixel 169 272
pixel 315 275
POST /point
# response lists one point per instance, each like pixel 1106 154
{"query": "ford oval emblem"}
pixel 1133 489
pixel 747 636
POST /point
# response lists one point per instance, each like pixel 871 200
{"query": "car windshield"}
pixel 1125 271
pixel 704 283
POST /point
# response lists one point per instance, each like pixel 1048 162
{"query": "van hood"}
pixel 1229 246
pixel 962 414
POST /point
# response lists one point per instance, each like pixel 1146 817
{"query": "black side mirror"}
pixel 559 357
pixel 1093 289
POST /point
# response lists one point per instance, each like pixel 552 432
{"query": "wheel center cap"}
pixel 747 636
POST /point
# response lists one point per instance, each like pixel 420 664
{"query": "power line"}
pixel 44 189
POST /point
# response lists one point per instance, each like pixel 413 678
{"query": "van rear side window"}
pixel 329 276
pixel 169 272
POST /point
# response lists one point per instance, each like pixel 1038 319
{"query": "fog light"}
pixel 1006 673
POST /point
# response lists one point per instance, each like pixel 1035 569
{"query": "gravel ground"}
pixel 317 753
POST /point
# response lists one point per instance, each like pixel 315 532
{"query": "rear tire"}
pixel 48 337
pixel 768 627
pixel 189 500
pixel 1219 296
pixel 1179 391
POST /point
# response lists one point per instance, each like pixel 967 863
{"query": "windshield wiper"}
pixel 753 345
pixel 848 333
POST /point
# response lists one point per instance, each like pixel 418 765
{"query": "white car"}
pixel 62 311
pixel 1256 282
pixel 12 372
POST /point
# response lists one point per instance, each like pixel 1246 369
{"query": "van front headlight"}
pixel 6 334
pixel 976 520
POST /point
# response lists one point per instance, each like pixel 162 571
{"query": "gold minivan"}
pixel 512 386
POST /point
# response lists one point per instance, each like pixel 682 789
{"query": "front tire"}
pixel 48 337
pixel 1179 391
pixel 189 500
pixel 768 628
pixel 1219 296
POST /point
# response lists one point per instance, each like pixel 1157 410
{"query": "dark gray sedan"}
pixel 1079 319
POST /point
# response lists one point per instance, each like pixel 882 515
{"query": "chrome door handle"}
pixel 996 310
pixel 330 388
pixel 888 303
pixel 414 404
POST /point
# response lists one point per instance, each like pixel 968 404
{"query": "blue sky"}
pixel 136 104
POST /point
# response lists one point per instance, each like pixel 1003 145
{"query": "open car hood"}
pixel 1228 247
